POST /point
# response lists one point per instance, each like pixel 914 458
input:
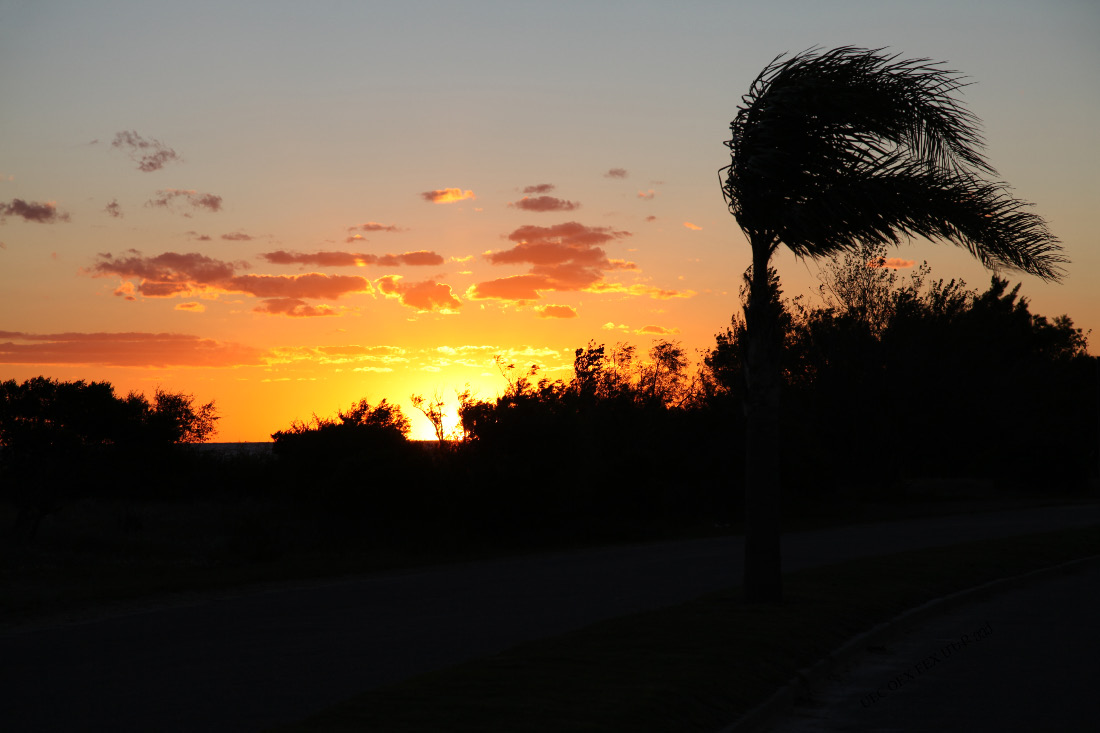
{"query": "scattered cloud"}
pixel 373 226
pixel 237 237
pixel 40 213
pixel 113 209
pixel 561 257
pixel 168 273
pixel 172 274
pixel 556 311
pixel 150 154
pixel 616 173
pixel 419 258
pixel 539 188
pixel 544 203
pixel 647 195
pixel 339 355
pixel 447 195
pixel 193 306
pixel 168 198
pixel 427 295
pixel 125 290
pixel 124 349
pixel 651 218
pixel 657 330
pixel 293 307
pixel 892 263
pixel 192 234
pixel 310 285
pixel 693 227
pixel 517 287
pixel 353 259
pixel 610 326
pixel 640 289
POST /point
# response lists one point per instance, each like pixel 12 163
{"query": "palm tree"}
pixel 831 150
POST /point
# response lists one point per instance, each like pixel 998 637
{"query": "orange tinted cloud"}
pixel 193 307
pixel 293 307
pixel 309 285
pixel 639 289
pixel 174 273
pixel 657 330
pixel 191 269
pixel 424 296
pixel 126 290
pixel 570 233
pixel 650 194
pixel 693 227
pixel 150 154
pixel 539 188
pixel 544 203
pixel 40 213
pixel 517 287
pixel 892 263
pixel 556 311
pixel 561 257
pixel 124 349
pixel 237 237
pixel 167 198
pixel 615 173
pixel 113 209
pixel 353 259
pixel 373 226
pixel 419 258
pixel 349 354
pixel 447 195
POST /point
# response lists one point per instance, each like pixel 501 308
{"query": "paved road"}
pixel 251 660
pixel 1023 660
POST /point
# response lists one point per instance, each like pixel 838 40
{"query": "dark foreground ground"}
pixel 1022 660
pixel 253 659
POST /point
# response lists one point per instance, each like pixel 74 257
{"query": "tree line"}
pixel 889 379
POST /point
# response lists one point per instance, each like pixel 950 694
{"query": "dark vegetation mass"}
pixel 66 440
pixel 896 386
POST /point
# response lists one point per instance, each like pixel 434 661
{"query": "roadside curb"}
pixel 809 678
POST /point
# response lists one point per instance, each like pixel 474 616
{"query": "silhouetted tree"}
pixel 63 437
pixel 829 150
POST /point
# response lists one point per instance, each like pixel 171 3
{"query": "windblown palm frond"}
pixel 851 145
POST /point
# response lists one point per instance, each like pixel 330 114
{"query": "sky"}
pixel 287 207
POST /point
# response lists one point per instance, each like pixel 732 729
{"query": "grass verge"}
pixel 696 666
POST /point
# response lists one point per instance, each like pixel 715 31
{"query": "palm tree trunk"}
pixel 763 579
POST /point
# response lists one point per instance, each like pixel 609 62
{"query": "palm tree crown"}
pixel 833 149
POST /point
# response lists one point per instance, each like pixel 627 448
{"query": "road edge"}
pixel 783 700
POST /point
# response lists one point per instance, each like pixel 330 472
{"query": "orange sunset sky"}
pixel 286 207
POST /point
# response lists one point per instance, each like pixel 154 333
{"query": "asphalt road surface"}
pixel 246 661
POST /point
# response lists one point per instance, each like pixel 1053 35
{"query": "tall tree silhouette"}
pixel 831 149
